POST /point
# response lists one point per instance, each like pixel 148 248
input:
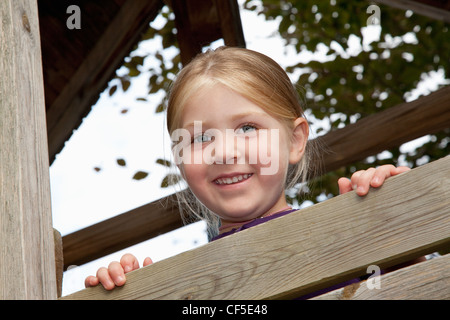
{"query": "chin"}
pixel 239 214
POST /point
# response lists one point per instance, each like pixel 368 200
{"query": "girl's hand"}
pixel 362 180
pixel 114 275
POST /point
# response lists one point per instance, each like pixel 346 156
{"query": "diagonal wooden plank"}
pixel 387 129
pixel 309 249
pixel 429 280
pixel 121 231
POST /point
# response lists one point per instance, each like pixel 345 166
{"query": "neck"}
pixel 228 226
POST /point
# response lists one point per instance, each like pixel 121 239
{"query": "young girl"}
pixel 239 137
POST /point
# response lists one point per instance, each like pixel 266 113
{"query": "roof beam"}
pixel 438 10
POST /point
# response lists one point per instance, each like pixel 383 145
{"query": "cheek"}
pixel 195 176
pixel 271 151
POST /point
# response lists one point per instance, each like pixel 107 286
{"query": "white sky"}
pixel 81 196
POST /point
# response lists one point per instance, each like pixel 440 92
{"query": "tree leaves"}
pixel 140 175
pixel 163 162
pixel 121 162
pixel 170 180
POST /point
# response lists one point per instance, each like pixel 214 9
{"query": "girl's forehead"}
pixel 219 100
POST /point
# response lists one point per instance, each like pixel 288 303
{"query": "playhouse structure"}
pixel 52 75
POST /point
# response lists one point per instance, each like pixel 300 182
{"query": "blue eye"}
pixel 201 138
pixel 246 128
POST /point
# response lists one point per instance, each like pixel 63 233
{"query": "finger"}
pixel 355 177
pixel 401 169
pixel 147 261
pixel 117 273
pixel 129 262
pixel 105 279
pixel 345 185
pixel 362 181
pixel 91 281
pixel 380 175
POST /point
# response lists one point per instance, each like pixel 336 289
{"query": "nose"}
pixel 227 148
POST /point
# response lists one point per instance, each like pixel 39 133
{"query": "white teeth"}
pixel 235 179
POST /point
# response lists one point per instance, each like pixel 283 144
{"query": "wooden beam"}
pixel 27 267
pixel 429 280
pixel 431 9
pixel 84 87
pixel 121 231
pixel 189 46
pixel 230 23
pixel 307 250
pixel 367 137
pixel 200 22
pixel 387 129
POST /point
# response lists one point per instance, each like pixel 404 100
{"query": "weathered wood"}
pixel 439 10
pixel 188 44
pixel 307 250
pixel 387 129
pixel 119 232
pixel 200 22
pixel 367 137
pixel 27 257
pixel 59 261
pixel 230 23
pixel 429 280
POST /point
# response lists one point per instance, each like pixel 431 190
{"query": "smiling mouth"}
pixel 232 180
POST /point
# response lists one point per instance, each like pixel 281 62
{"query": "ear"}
pixel 298 141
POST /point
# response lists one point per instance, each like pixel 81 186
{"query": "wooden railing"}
pixel 317 247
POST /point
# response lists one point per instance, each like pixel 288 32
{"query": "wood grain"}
pixel 428 280
pixel 309 249
pixel 27 257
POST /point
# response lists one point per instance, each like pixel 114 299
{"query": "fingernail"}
pixel 119 280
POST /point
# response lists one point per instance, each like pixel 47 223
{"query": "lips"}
pixel 232 179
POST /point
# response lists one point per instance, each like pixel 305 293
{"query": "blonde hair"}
pixel 251 74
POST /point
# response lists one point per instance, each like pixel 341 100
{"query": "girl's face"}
pixel 236 159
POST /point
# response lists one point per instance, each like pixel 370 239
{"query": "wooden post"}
pixel 27 258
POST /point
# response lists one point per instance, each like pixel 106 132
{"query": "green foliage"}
pixel 348 86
